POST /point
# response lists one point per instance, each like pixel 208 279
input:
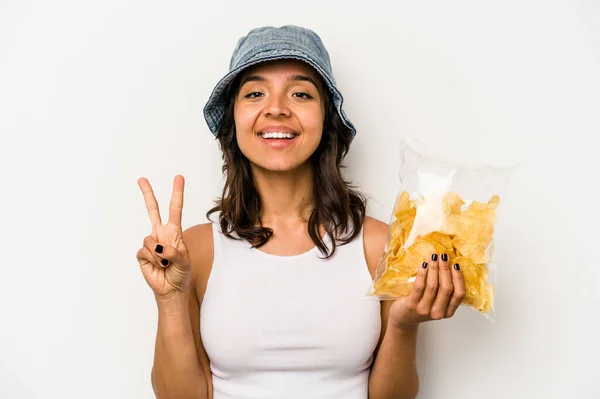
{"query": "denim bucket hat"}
pixel 267 44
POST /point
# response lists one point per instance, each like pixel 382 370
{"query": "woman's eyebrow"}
pixel 304 78
pixel 258 78
pixel 252 78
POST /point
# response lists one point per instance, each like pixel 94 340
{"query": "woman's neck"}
pixel 286 197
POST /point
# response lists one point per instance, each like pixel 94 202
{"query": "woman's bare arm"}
pixel 181 369
pixel 394 372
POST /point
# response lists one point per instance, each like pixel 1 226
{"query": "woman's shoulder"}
pixel 374 229
pixel 199 242
pixel 375 233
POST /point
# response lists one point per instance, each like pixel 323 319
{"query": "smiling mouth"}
pixel 278 136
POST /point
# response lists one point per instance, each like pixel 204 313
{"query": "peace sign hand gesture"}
pixel 164 258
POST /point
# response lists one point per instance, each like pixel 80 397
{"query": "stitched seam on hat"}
pixel 272 45
pixel 275 51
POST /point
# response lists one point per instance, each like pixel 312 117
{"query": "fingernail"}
pixel 434 257
pixel 164 262
pixel 456 266
pixel 445 257
pixel 159 249
pixel 424 265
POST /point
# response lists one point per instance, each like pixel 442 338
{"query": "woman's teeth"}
pixel 277 135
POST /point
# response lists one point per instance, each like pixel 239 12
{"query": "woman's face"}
pixel 279 114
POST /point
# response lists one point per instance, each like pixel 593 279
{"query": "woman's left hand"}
pixel 437 292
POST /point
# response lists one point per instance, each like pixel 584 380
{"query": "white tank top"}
pixel 286 327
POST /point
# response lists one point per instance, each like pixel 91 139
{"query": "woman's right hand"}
pixel 164 258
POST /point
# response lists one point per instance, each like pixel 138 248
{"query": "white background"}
pixel 94 95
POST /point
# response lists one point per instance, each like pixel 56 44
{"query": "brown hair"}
pixel 338 206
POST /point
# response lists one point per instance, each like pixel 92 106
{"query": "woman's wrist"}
pixel 174 302
pixel 402 328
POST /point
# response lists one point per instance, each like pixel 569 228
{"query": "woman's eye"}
pixel 305 96
pixel 254 94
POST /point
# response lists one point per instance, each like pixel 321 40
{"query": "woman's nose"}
pixel 277 105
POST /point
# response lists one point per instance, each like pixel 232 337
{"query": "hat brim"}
pixel 214 109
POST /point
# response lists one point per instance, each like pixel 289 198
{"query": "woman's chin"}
pixel 281 166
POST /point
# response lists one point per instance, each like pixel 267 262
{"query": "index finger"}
pixel 150 200
pixel 176 205
pixel 418 288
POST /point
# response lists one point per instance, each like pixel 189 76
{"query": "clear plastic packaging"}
pixel 443 207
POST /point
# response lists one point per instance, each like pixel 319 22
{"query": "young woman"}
pixel 268 300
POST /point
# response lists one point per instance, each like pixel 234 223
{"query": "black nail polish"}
pixel 164 262
pixel 445 257
pixel 456 266
pixel 159 249
pixel 424 265
pixel 434 257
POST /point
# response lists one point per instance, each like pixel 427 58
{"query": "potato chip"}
pixel 405 214
pixel 395 242
pixel 451 224
pixel 475 276
pixel 402 204
pixel 393 284
pixel 475 230
pixel 494 202
pixel 443 242
pixel 452 203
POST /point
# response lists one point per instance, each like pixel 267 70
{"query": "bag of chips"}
pixel 443 207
